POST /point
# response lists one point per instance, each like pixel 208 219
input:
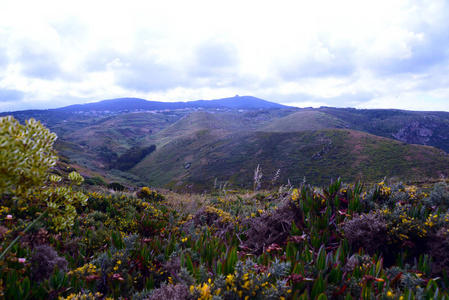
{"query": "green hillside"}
pixel 197 159
pixel 197 146
pixel 305 120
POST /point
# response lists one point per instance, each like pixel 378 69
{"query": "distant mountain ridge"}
pixel 130 104
pixel 196 143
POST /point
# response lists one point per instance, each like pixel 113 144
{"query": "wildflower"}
pixel 9 217
pixel 230 279
pixel 22 260
pixel 295 194
pixel 118 277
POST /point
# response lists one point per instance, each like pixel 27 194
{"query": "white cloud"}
pixel 336 53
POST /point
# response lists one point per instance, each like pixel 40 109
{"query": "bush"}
pixel 116 186
pixel 368 231
pixel 26 155
pixel 44 261
pixel 439 195
pixel 270 228
pixel 174 292
pixel 438 249
pixel 95 180
pixel 146 194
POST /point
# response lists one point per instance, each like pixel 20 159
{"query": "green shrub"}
pixel 95 180
pixel 26 155
pixel 146 194
pixel 439 195
pixel 116 186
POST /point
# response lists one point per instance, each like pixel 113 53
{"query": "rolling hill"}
pixel 197 143
pixel 195 161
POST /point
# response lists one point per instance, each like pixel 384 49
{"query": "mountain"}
pixel 133 104
pixel 190 145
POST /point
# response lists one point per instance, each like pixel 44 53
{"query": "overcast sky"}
pixel 345 53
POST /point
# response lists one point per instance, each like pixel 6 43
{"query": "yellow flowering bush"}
pixel 247 282
pixel 26 154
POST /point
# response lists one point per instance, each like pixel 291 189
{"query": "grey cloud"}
pixel 432 51
pixel 343 100
pixel 39 64
pixel 147 76
pixel 216 63
pixel 213 64
pixel 214 59
pixel 144 72
pixel 340 64
pixel 99 59
pixel 8 95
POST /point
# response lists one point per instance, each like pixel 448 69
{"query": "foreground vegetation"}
pixel 339 242
pixel 60 240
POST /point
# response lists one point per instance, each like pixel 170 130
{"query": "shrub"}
pixel 43 262
pixel 26 155
pixel 36 238
pixel 116 186
pixel 439 249
pixel 247 282
pixel 146 194
pixel 170 291
pixel 95 180
pixel 270 228
pixel 439 195
pixel 368 231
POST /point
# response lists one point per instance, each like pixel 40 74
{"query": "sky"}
pixel 346 53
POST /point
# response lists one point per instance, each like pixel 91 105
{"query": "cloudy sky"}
pixel 346 53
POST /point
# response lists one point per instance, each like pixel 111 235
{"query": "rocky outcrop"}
pixel 415 133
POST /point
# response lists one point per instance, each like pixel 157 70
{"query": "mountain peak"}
pixel 123 104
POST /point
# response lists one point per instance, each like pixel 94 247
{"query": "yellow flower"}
pixel 230 279
pixel 295 194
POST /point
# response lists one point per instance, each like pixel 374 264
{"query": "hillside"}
pixel 196 160
pixel 412 127
pixel 202 141
pixel 308 119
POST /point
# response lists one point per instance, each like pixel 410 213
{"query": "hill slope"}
pixel 308 119
pixel 226 139
pixel 198 159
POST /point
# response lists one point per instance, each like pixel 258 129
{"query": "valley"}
pixel 197 144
